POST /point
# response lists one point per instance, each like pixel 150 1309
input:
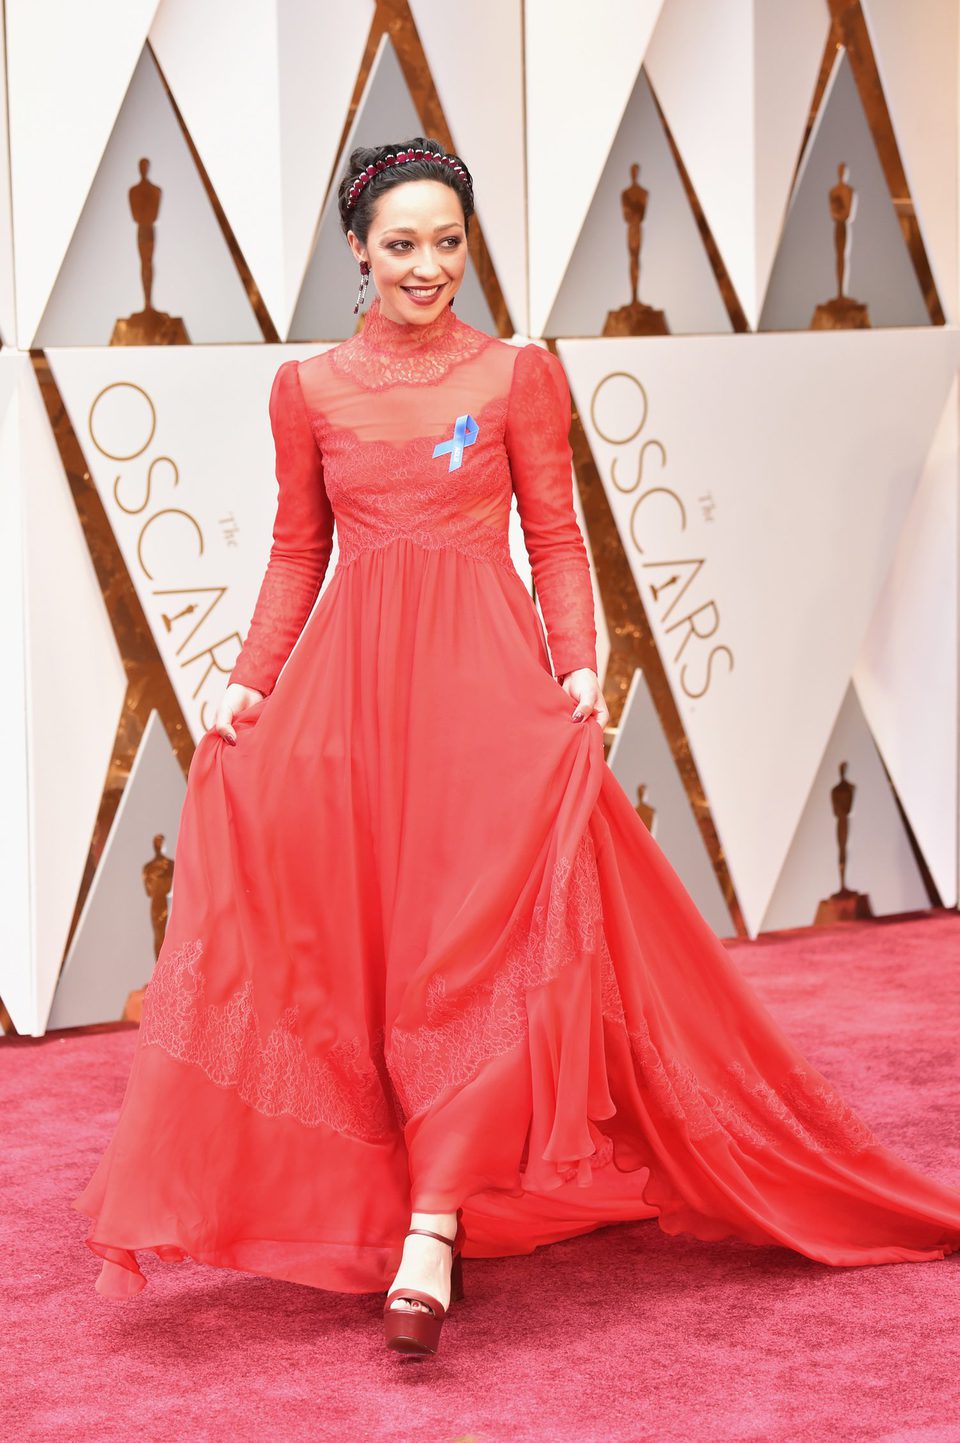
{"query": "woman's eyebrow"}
pixel 412 230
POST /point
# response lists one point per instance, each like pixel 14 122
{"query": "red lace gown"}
pixel 422 952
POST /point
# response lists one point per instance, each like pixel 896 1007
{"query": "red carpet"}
pixel 625 1334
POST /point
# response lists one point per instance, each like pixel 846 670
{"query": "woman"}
pixel 425 967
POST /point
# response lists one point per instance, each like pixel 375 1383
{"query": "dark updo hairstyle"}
pixel 360 215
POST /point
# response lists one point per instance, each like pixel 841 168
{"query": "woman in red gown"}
pixel 424 961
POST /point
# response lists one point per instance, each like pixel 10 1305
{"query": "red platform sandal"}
pixel 409 1330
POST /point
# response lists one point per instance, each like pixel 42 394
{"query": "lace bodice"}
pixel 421 432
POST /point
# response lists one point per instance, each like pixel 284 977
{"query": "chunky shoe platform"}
pixel 410 1330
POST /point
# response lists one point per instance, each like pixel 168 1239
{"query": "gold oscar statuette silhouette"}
pixel 845 905
pixel 841 313
pixel 147 327
pixel 157 883
pixel 635 319
pixel 643 809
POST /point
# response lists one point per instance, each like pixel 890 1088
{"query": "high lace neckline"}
pixel 400 337
pixel 393 353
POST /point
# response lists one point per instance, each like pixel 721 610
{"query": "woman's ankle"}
pixel 445 1223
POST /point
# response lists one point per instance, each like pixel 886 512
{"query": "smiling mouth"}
pixel 423 292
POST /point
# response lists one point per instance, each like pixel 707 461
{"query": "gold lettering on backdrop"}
pixel 148 327
pixel 100 442
pixel 642 397
pixel 671 576
pixel 125 409
pixel 157 461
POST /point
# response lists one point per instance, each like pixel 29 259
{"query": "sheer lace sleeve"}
pixel 537 441
pixel 302 539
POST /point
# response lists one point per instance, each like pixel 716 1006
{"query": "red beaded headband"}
pixel 401 157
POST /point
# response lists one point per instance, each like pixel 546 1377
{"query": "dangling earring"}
pixel 361 293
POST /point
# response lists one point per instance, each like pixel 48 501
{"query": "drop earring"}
pixel 364 278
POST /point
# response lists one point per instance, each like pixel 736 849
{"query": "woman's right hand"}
pixel 236 698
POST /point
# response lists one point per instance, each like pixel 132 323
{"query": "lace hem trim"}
pixel 369 1090
pixel 467 1029
pixel 275 1075
pixel 806 1104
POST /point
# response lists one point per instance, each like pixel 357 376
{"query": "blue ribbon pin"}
pixel 464 434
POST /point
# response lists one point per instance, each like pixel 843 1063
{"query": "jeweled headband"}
pixel 401 157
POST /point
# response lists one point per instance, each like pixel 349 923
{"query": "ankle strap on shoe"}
pixel 424 1232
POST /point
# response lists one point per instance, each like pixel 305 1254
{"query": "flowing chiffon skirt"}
pixel 423 953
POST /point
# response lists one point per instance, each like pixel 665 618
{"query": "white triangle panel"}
pixel 642 762
pixel 916 50
pixel 268 128
pixel 8 304
pixel 735 82
pixel 788 49
pixel 465 45
pixel 876 266
pixel 700 64
pixel 193 274
pixel 68 67
pixel 112 951
pixel 675 275
pixel 581 60
pixel 760 484
pixel 16 967
pixel 76 684
pixel 879 859
pixel 906 675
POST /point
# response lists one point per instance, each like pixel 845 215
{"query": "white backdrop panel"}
pixel 68 66
pixel 700 63
pixel 641 757
pixel 8 306
pixel 266 119
pixel 735 82
pixel 111 953
pixel 878 269
pixel 16 967
pixel 76 685
pixel 759 484
pixel 474 49
pixel 581 61
pixel 906 675
pixel 916 49
pixel 880 861
pixel 194 274
pixel 675 272
pixel 789 39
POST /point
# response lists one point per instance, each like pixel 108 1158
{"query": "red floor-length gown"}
pixel 422 951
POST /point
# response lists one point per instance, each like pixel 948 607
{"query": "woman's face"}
pixel 416 243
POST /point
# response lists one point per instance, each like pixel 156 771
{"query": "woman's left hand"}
pixel 584 686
